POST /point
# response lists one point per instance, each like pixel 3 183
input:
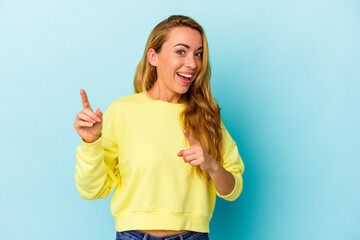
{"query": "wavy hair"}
pixel 201 116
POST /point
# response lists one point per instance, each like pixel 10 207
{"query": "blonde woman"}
pixel 164 149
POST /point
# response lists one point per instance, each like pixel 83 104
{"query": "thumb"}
pixel 99 113
pixel 181 153
pixel 191 139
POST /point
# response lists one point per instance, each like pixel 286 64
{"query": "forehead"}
pixel 185 35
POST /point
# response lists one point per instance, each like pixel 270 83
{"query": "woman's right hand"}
pixel 88 123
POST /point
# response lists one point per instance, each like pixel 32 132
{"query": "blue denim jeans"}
pixel 137 235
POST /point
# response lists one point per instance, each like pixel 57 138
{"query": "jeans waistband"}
pixel 146 236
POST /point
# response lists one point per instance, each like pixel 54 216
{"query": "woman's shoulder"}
pixel 228 140
pixel 132 98
pixel 125 102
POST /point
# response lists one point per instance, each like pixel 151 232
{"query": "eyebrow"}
pixel 182 44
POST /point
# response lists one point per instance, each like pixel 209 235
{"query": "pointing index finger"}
pixel 84 99
pixel 191 139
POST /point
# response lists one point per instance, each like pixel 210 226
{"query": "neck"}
pixel 160 92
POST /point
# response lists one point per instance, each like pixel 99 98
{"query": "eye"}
pixel 180 52
pixel 199 55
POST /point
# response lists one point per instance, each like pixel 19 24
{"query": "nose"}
pixel 190 61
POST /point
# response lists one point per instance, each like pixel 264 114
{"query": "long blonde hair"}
pixel 201 117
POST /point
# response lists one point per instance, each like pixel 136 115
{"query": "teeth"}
pixel 185 75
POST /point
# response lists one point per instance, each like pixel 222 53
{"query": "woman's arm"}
pixel 224 181
pixel 227 177
pixel 96 171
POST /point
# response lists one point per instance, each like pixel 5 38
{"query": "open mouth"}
pixel 185 77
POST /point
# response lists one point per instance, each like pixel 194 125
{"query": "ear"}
pixel 152 57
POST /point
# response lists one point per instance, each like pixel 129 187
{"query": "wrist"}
pixel 92 139
pixel 214 167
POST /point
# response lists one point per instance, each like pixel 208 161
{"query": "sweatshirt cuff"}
pixel 92 148
pixel 234 193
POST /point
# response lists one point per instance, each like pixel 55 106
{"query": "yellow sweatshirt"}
pixel 137 154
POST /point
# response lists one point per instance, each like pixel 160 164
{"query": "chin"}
pixel 183 91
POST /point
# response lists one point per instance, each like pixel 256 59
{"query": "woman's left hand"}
pixel 196 154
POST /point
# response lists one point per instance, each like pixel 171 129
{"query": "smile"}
pixel 189 76
pixel 185 78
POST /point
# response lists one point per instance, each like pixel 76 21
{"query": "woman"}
pixel 139 144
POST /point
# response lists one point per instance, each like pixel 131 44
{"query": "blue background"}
pixel 285 73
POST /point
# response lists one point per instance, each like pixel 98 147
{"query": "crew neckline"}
pixel 161 103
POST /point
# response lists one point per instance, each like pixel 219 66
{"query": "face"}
pixel 179 60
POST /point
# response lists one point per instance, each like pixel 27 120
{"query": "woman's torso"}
pixel 171 191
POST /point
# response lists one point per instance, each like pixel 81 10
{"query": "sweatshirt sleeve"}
pixel 233 163
pixel 96 170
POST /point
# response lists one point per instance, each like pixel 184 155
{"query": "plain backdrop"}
pixel 285 73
